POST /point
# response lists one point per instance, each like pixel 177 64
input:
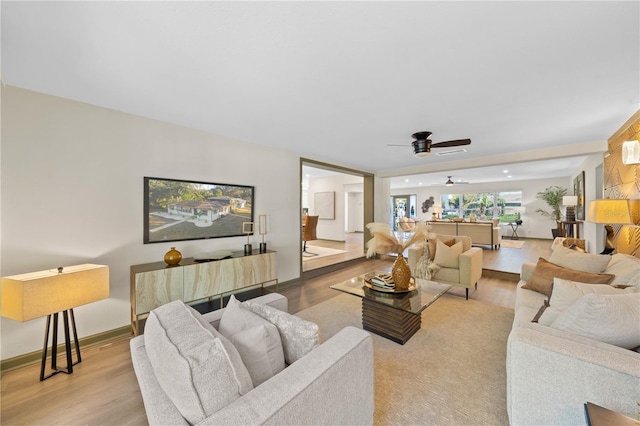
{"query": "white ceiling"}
pixel 339 81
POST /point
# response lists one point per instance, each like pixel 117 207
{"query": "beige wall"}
pixel 72 187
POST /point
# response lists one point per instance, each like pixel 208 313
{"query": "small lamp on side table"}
pixel 46 293
pixel 570 202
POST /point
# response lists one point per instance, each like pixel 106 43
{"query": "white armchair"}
pixel 469 268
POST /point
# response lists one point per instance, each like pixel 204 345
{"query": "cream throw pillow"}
pixel 626 268
pixel 585 262
pixel 447 257
pixel 608 318
pixel 566 293
pixel 256 339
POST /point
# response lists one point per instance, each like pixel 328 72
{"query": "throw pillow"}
pixel 449 243
pixel 298 336
pixel 432 248
pixel 425 269
pixel 256 339
pixel 608 318
pixel 626 268
pixel 447 257
pixel 198 368
pixel 541 279
pixel 261 350
pixel 585 262
pixel 565 293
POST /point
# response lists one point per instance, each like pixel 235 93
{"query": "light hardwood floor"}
pixel 103 389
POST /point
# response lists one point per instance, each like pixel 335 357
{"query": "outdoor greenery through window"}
pixel 486 205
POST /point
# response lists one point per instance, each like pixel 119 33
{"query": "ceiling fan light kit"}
pixel 422 144
pixel 421 148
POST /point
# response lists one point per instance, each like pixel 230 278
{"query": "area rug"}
pixel 320 252
pixel 511 243
pixel 451 372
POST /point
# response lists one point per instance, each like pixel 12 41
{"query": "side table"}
pixel 514 227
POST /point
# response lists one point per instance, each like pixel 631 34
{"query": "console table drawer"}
pixel 155 288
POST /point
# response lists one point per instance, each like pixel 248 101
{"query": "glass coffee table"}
pixel 396 316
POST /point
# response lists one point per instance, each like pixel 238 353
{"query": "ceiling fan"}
pixel 449 182
pixel 422 144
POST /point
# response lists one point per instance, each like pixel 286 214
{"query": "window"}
pixel 506 205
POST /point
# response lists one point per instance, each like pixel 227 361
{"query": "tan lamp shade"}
pixel 37 294
pixel 570 200
pixel 614 211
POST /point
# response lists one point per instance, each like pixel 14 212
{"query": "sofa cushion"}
pixel 626 269
pixel 541 280
pixel 566 293
pixel 447 257
pixel 257 340
pixel 608 318
pixel 585 262
pixel 198 368
pixel 298 336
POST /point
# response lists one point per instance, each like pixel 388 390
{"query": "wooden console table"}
pixel 154 284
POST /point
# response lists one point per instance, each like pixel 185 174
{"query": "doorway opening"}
pixel 342 199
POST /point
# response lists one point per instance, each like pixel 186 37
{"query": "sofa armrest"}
pixel 299 394
pixel 526 270
pixel 561 371
pixel 157 405
pixel 470 263
pixel 497 235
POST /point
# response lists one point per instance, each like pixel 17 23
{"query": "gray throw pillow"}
pixel 256 339
pixel 298 336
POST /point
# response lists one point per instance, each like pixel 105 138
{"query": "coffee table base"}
pixel 394 324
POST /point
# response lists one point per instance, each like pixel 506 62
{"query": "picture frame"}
pixel 325 205
pixel 578 190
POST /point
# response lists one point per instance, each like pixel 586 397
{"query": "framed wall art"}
pixel 325 205
pixel 578 190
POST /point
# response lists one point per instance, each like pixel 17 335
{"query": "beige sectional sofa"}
pixel 481 233
pixel 187 375
pixel 552 370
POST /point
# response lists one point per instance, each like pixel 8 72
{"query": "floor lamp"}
pixel 613 211
pixel 48 293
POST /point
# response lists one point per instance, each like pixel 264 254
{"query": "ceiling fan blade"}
pixel 445 144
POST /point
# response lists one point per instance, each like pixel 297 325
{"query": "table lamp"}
pixel 570 201
pixel 262 230
pixel 613 211
pixel 247 228
pixel 436 211
pixel 50 292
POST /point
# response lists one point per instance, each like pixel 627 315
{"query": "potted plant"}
pixel 552 195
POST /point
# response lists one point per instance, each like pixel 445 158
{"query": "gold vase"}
pixel 401 273
pixel 172 257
